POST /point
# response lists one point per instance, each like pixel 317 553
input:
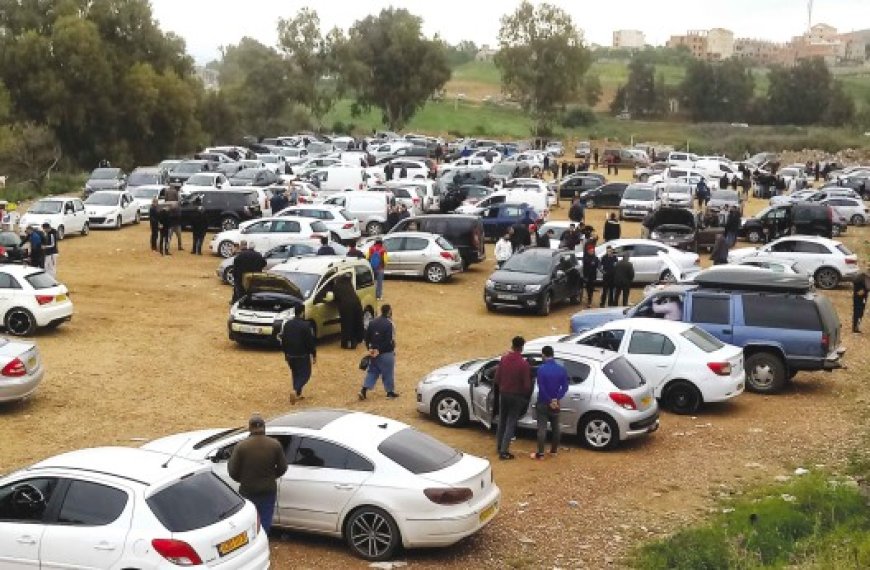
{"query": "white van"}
pixel 368 207
pixel 684 159
pixel 535 198
pixel 340 178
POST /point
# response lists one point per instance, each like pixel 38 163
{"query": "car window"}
pixel 319 227
pixel 810 247
pixel 622 374
pixel 25 501
pixel 285 227
pixel 41 280
pixel 711 310
pixel 702 339
pixel 415 244
pixel 577 371
pixel 194 502
pixel 364 277
pixel 645 250
pixel 314 452
pixel 91 504
pixel 781 312
pixel 8 282
pixel 258 228
pixel 643 342
pixel 393 244
pixel 786 246
pixel 418 452
pixel 608 340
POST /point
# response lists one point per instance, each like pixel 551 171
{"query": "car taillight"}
pixel 850 261
pixel 347 226
pixel 44 299
pixel 623 400
pixel 826 342
pixel 416 200
pixel 176 551
pixel 720 368
pixel 447 255
pixel 14 369
pixel 449 495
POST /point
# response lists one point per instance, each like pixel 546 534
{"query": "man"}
pixel 545 239
pixel 576 212
pixel 164 218
pixel 503 249
pixel 380 340
pixel 50 249
pixel 732 226
pixel 552 387
pixel 723 182
pixel 392 217
pixel 34 240
pixel 377 256
pixel 403 213
pixel 279 200
pixel 325 248
pixel 719 253
pixel 608 291
pixel 570 238
pixel 171 193
pixel 513 377
pixel 623 277
pixel 860 287
pixel 612 228
pixel 255 464
pixel 388 171
pixel 175 227
pixel 520 236
pixel 300 350
pixel 590 264
pixel 293 199
pixel 670 308
pixel 595 157
pixel 199 227
pixel 353 251
pixel 153 214
pixel 702 192
pixel 246 261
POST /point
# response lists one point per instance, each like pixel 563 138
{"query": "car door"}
pixel 80 218
pixel 653 354
pixel 647 264
pixel 563 275
pixel 397 260
pixel 23 506
pixel 712 313
pixel 415 252
pixel 258 235
pixel 9 290
pixel 91 528
pixel 283 232
pixel 611 195
pixel 326 310
pixel 785 249
pixel 321 479
pixel 579 395
pixel 528 418
pixel 483 393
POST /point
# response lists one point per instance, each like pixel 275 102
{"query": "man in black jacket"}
pixel 860 287
pixel 608 262
pixel 247 261
pixel 576 213
pixel 199 226
pixel 732 226
pixel 300 350
pixel 623 277
pixel 153 213
pixel 612 229
pixel 380 339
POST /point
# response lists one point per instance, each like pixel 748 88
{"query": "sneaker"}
pixel 392 395
pixel 505 456
pixel 536 456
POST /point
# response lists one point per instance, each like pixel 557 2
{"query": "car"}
pixel 205 181
pixel 504 171
pixel 341 227
pixel 721 202
pixel 608 401
pixel 276 255
pixel 254 177
pixel 676 194
pixel 105 179
pixel 499 217
pixel 187 168
pixel 146 176
pixel 559 227
pixel 375 482
pixel 638 201
pixel 430 199
pixel 408 197
pixel 555 149
pixel 341 178
pixel 535 197
pixel 12 250
pixel 419 254
pixel 143 196
pixel 65 215
pixel 476 163
pixel 679 227
pixel 30 298
pixel 472 194
pixel 534 279
pixel 686 366
pixel 224 209
pixel 111 209
pixel 796 196
pixel 829 262
pixel 273 162
pixel 770 265
pixel 605 196
pixel 794 177
pixel 21 369
pixel 117 507
pixel 804 218
pixel 265 233
pixel 368 208
pixel 646 256
pixel 465 233
pixel 853 209
pixel 412 169
pixel 575 184
pixel 583 150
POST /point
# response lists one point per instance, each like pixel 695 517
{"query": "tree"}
pixel 640 89
pixel 29 152
pixel 542 60
pixel 461 53
pixel 841 108
pixel 387 63
pixel 592 90
pixel 799 95
pixel 720 91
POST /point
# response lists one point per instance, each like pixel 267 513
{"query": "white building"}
pixel 628 39
pixel 720 43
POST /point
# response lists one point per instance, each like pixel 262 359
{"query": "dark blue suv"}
pixel 498 218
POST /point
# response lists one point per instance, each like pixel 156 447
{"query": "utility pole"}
pixel 809 14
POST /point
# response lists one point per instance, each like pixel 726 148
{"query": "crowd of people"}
pixel 41 248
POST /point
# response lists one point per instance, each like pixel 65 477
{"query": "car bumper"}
pixel 13 389
pixel 424 400
pixel 512 299
pixel 256 557
pixel 633 213
pixel 717 389
pixel 98 222
pixel 250 332
pixel 447 530
pixel 640 427
pixel 54 313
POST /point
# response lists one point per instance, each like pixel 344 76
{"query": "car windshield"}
pixel 622 374
pixel 195 502
pixel 639 194
pixel 104 174
pixel 188 167
pixel 305 281
pixel 145 192
pixel 678 189
pixel 41 280
pixel 702 339
pixel 472 363
pixel 529 263
pixel 248 173
pixel 418 452
pixel 102 199
pixel 200 180
pixel 724 195
pixel 143 178
pixel 46 207
pixel 503 169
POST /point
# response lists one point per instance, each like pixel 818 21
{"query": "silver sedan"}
pixel 21 369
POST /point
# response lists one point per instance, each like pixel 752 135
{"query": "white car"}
pixel 796 196
pixel 30 298
pixel 341 227
pixel 534 158
pixel 373 481
pixel 794 176
pixel 676 194
pixel 144 195
pixel 827 260
pixel 21 369
pixel 412 169
pixel 66 215
pixel 110 508
pixel 638 200
pixel 265 233
pixel 205 181
pixel 646 255
pixel 274 162
pixel 852 209
pixel 467 162
pixel 425 188
pixel 686 366
pixel 112 209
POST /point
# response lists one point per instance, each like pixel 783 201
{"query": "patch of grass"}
pixel 59 183
pixel 484 72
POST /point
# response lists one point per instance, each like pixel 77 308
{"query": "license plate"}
pixel 31 363
pixel 250 329
pixel 232 544
pixel 508 297
pixel 60 298
pixel 488 512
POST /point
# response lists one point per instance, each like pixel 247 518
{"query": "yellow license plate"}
pixel 488 512
pixel 232 544
pixel 60 298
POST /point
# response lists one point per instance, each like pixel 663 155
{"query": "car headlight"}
pixel 433 378
pixel 490 284
pixel 533 288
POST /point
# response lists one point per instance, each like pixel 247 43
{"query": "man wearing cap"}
pixel 255 464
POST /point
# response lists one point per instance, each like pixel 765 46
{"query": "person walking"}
pixel 503 250
pixel 256 463
pixel 50 249
pixel 199 227
pixel 732 226
pixel 577 213
pixel 153 214
pixel 719 253
pixel 860 288
pixel 590 264
pixel 279 200
pixel 34 240
pixel 623 277
pixel 248 260
pixel 608 291
pixel 353 251
pixel 612 228
pixel 702 192
pixel 377 256
pixel 325 248
pixel 300 350
pixel 380 339
pixel 595 157
pixel 552 387
pixel 513 377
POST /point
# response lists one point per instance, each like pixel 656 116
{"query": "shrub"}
pixel 578 117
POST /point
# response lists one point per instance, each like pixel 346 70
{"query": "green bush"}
pixel 578 117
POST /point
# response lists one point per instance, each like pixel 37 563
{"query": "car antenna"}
pixel 175 453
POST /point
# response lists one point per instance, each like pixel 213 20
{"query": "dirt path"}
pixel 147 354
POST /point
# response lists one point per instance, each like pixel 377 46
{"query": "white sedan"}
pixel 373 481
pixel 645 256
pixel 21 369
pixel 341 228
pixel 467 162
pixel 205 181
pixel 686 365
pixel 66 215
pixel 112 209
pixel 263 234
pixel 30 298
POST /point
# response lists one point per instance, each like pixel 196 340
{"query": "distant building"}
pixel 711 45
pixel 628 39
pixel 857 46
pixel 210 78
pixel 758 52
pixel 485 53
pixel 720 43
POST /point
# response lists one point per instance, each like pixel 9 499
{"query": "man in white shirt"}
pixel 503 249
pixel 670 308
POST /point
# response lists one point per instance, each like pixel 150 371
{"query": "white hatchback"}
pixel 66 215
pixel 115 507
pixel 265 233
pixel 341 227
pixel 31 298
pixel 112 209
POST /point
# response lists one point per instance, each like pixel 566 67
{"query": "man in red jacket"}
pixel 514 380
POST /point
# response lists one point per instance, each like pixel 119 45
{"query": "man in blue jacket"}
pixel 552 387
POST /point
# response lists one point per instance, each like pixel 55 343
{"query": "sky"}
pixel 206 25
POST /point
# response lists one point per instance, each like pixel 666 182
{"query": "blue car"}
pixel 498 218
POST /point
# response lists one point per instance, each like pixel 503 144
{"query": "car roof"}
pixel 425 235
pixel 19 270
pixel 56 199
pixel 356 429
pixel 332 207
pixel 816 239
pixel 598 355
pixel 107 192
pixel 318 263
pixel 650 324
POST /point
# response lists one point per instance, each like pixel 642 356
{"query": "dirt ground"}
pixel 147 354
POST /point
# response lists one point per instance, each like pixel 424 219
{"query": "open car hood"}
pixel 270 283
pixel 673 217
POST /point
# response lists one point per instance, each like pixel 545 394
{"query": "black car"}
pixel 789 219
pixel 534 279
pixel 504 171
pixel 254 177
pixel 579 183
pixel 10 242
pixel 605 196
pixel 464 232
pixel 224 209
pixel 105 179
pixel 679 228
pixel 184 170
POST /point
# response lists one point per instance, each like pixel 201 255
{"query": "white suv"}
pixel 827 260
pixel 116 507
pixel 341 227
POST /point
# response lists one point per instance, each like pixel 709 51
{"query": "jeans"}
pixel 265 508
pixel 546 415
pixel 510 409
pixel 155 231
pixel 198 240
pixel 383 365
pixel 858 304
pixel 379 284
pixel 164 240
pixel 300 370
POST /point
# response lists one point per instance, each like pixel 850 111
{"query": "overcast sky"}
pixel 208 24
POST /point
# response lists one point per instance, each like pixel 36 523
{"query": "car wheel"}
pixel 450 410
pixel 765 373
pixel 61 232
pixel 335 237
pixel 86 229
pixel 682 397
pixel 19 322
pixel 374 228
pixel 435 273
pixel 226 249
pixel 667 276
pixel 137 218
pixel 857 220
pixel 827 278
pixel 118 223
pixel 754 236
pixel 229 223
pixel 546 304
pixel 229 276
pixel 372 534
pixel 598 431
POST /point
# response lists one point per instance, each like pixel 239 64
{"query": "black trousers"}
pixel 858 305
pixel 198 240
pixel 164 240
pixel 623 291
pixel 155 232
pixel 607 293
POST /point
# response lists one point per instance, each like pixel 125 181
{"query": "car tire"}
pixel 118 223
pixel 229 223
pixel 335 237
pixel 765 373
pixel 435 273
pixel 857 220
pixel 61 232
pixel 374 228
pixel 226 249
pixel 19 322
pixel 666 275
pixel 754 236
pixel 827 278
pixel 137 218
pixel 450 410
pixel 546 304
pixel 86 229
pixel 364 526
pixel 229 277
pixel 682 397
pixel 598 432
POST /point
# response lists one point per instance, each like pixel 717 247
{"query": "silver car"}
pixel 275 256
pixel 608 400
pixel 852 209
pixel 419 254
pixel 21 369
